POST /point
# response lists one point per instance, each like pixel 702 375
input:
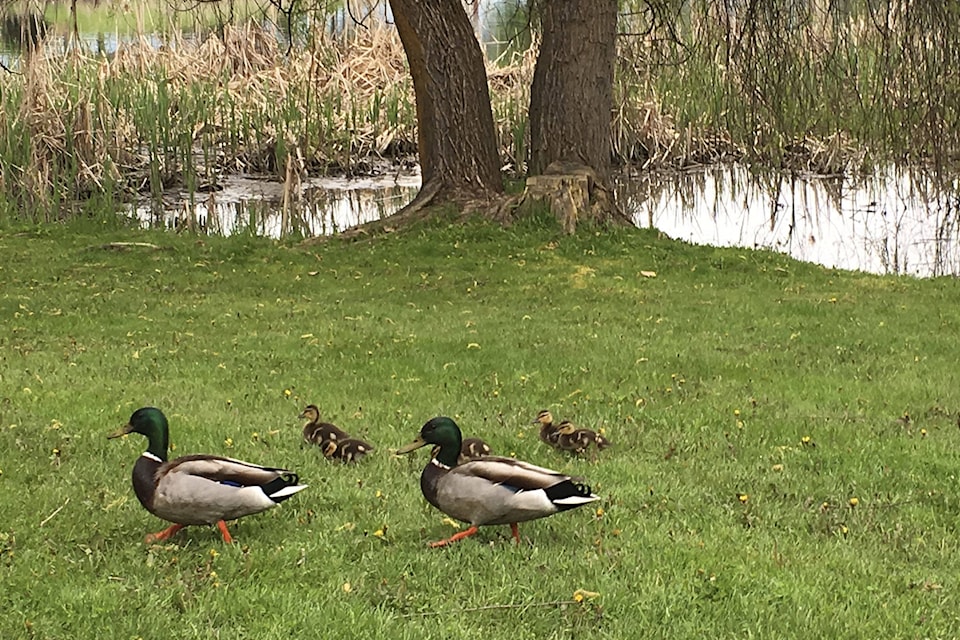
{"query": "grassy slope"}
pixel 231 337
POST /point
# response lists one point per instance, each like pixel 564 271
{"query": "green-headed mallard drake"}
pixel 490 490
pixel 471 449
pixel 347 449
pixel 199 489
pixel 317 432
pixel 548 430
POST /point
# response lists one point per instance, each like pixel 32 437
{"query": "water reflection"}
pixel 896 221
pixel 322 206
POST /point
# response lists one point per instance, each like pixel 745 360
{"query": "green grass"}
pixel 706 377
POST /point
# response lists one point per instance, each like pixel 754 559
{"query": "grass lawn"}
pixel 764 480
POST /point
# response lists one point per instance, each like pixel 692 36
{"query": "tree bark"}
pixel 456 137
pixel 571 97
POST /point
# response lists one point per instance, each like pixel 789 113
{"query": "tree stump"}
pixel 573 193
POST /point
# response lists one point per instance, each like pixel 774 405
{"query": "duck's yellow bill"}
pixel 122 431
pixel 413 446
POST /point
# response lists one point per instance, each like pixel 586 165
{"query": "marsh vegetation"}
pixel 183 98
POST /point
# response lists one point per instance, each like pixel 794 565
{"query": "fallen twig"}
pixel 58 510
pixel 490 607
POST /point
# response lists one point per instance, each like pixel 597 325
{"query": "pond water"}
pixel 895 222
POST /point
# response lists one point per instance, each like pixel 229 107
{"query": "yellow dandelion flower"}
pixel 736 413
pixel 287 393
pixel 844 530
pixel 743 497
pixel 228 442
pixel 600 512
pixel 380 532
pixel 582 594
pixel 347 587
pixel 923 433
pixel 214 553
pixel 777 467
pixel 854 501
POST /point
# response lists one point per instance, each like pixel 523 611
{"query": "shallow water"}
pixel 894 222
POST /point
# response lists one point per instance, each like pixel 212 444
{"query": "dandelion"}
pixel 777 467
pixel 347 587
pixel 736 413
pixel 854 501
pixel 214 553
pixel 380 532
pixel 844 530
pixel 923 433
pixel 806 441
pixel 228 443
pixel 743 497
pixel 287 393
pixel 582 594
pixel 600 512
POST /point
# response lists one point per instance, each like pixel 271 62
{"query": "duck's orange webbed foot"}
pixel 454 538
pixel 163 535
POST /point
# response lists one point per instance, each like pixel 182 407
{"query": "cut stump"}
pixel 573 193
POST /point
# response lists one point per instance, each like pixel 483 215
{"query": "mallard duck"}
pixel 548 430
pixel 317 432
pixel 490 490
pixel 199 489
pixel 347 449
pixel 471 449
pixel 570 438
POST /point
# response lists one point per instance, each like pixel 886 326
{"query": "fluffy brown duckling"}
pixel 334 442
pixel 346 449
pixel 470 449
pixel 548 431
pixel 318 432
pixel 569 438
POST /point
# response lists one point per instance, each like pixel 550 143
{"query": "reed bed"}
pixel 822 89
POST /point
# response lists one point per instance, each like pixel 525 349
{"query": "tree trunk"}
pixel 455 132
pixel 571 97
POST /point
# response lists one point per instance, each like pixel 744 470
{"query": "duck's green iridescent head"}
pixel 150 422
pixel 443 432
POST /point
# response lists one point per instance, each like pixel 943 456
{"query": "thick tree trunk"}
pixel 571 97
pixel 456 137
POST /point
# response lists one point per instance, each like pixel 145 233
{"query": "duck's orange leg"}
pixel 515 530
pixel 460 535
pixel 163 535
pixel 223 531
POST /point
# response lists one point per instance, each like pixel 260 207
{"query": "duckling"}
pixel 317 432
pixel 569 438
pixel 346 450
pixel 548 430
pixel 471 449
